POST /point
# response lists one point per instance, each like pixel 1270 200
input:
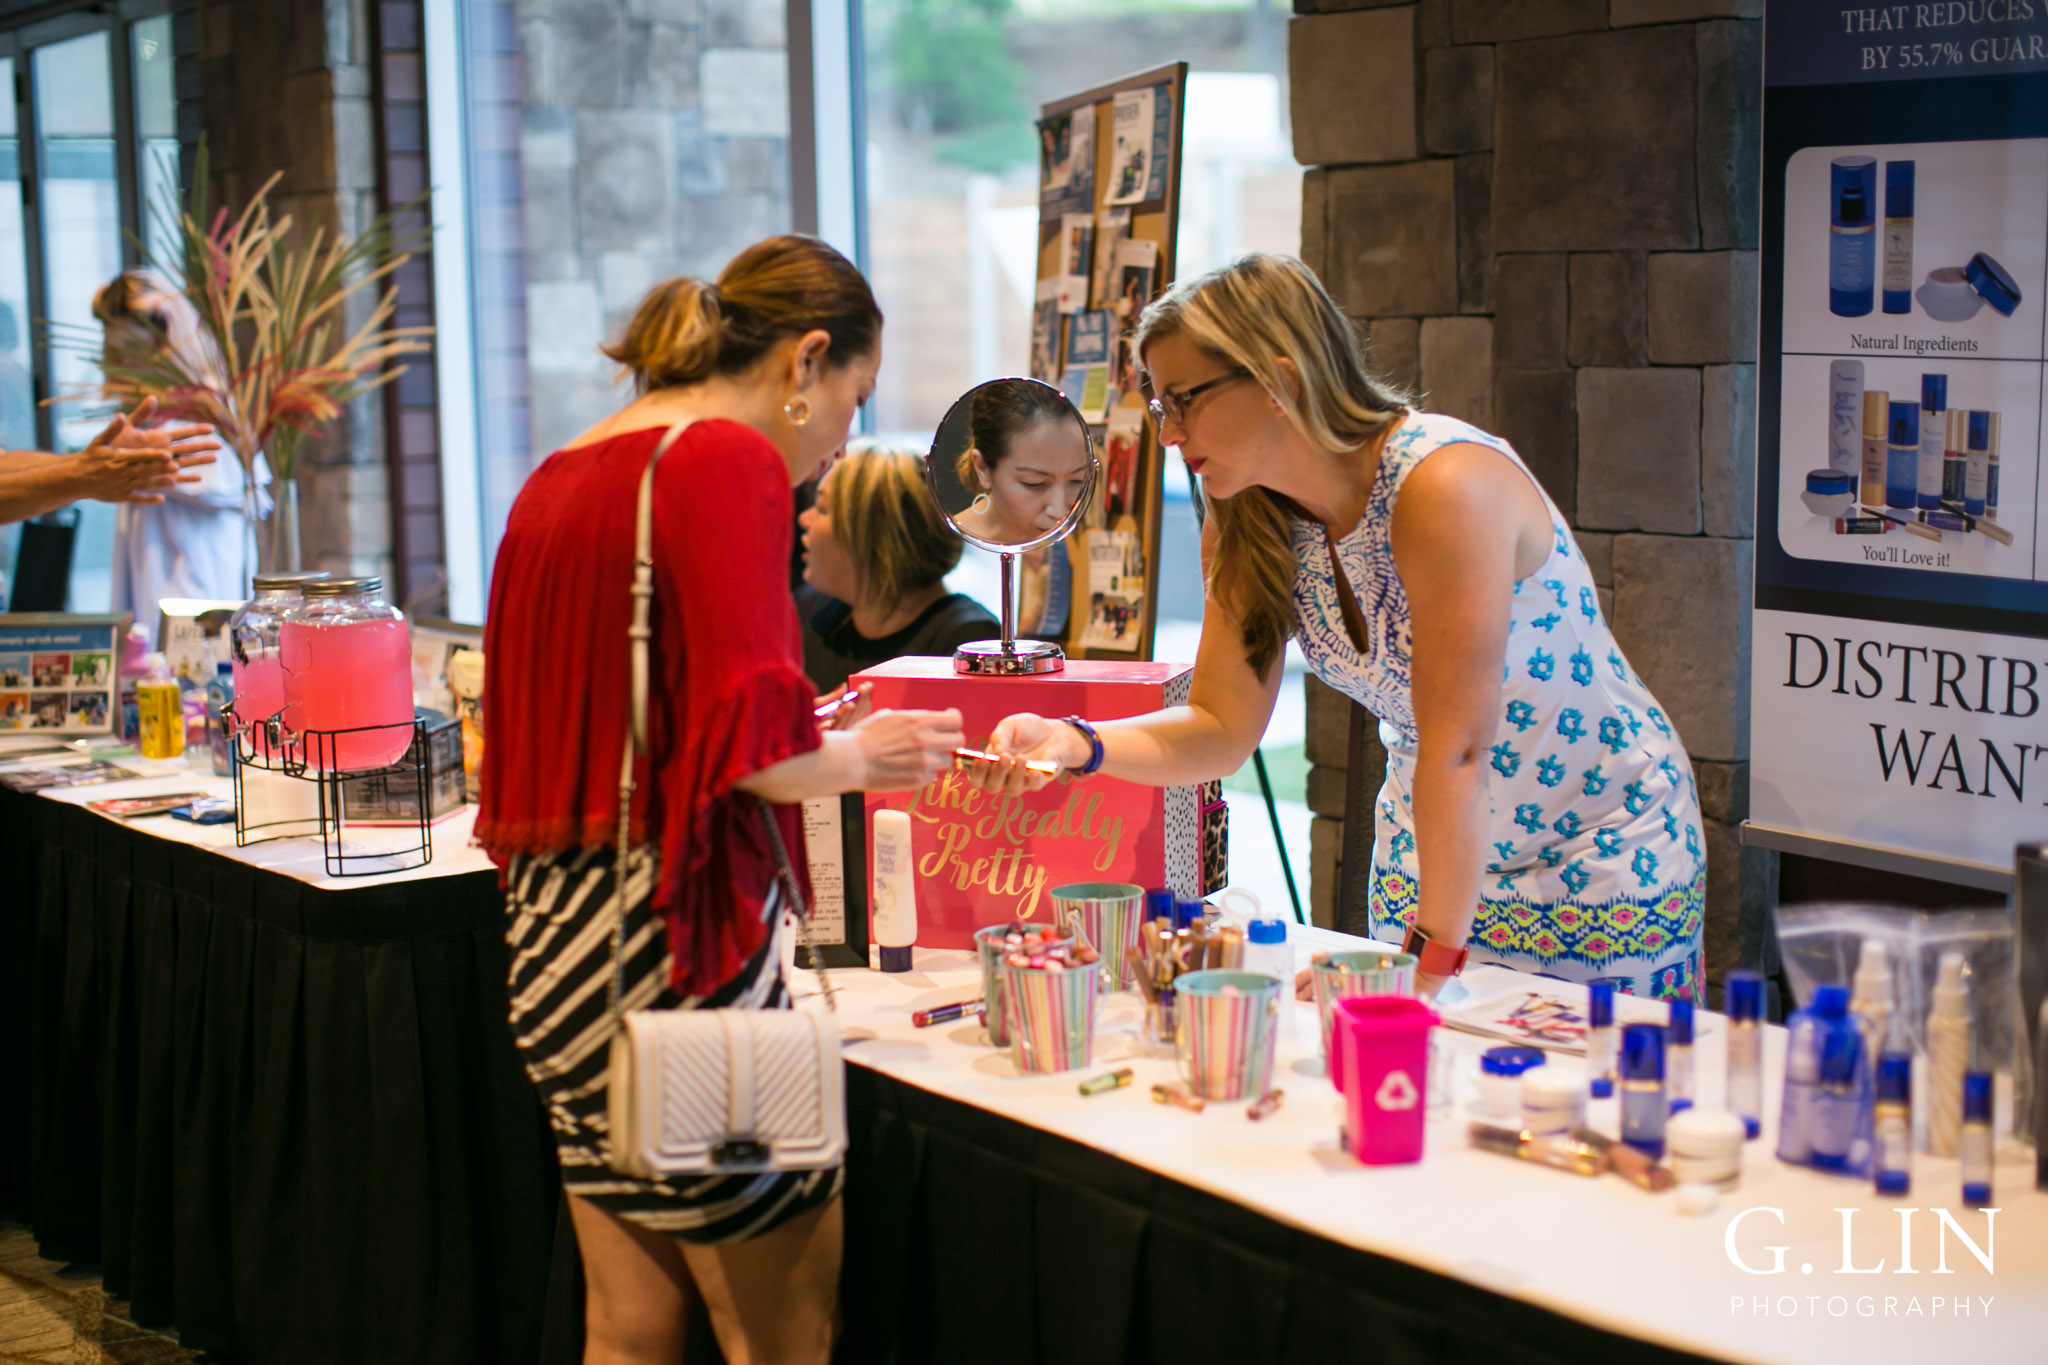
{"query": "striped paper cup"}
pixel 1227 1025
pixel 1051 1016
pixel 988 946
pixel 1105 915
pixel 1341 976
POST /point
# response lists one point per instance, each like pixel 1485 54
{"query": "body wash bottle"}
pixel 895 890
pixel 1898 236
pixel 1933 440
pixel 1852 240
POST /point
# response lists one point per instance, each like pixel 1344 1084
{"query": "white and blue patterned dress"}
pixel 1597 867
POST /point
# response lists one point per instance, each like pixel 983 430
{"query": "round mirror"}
pixel 1013 466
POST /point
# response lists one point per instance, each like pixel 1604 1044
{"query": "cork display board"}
pixel 1108 211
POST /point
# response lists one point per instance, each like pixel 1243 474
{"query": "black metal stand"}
pixel 314 756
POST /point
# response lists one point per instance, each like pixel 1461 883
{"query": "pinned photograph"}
pixel 1045 333
pixel 1137 270
pixel 1112 227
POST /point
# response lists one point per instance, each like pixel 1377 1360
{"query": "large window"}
pixel 89 141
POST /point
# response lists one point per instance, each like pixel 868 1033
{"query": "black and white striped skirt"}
pixel 560 935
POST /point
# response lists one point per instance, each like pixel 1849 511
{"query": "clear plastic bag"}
pixel 1823 943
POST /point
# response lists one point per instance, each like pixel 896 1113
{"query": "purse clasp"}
pixel 741 1151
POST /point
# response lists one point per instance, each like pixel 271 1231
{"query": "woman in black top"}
pixel 876 554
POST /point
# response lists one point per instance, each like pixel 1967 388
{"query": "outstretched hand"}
pixel 1024 738
pixel 128 463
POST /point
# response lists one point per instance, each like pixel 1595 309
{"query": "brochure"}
pixel 1142 121
pixel 64 775
pixel 1091 341
pixel 1137 268
pixel 1077 249
pixel 1112 227
pixel 1116 590
pixel 1121 446
pixel 1066 162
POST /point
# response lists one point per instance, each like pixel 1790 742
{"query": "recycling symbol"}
pixel 1396 1092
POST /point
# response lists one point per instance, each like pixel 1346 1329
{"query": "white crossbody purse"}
pixel 712 1092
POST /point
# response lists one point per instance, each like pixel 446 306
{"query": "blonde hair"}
pixel 1252 313
pixel 686 331
pixel 883 514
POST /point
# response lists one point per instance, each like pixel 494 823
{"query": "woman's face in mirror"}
pixel 1033 487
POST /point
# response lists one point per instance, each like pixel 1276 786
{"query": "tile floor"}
pixel 60 1315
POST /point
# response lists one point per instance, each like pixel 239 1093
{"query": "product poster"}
pixel 1116 590
pixel 57 672
pixel 1901 560
pixel 1066 162
pixel 1142 124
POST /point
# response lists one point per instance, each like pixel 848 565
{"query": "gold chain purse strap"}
pixel 639 635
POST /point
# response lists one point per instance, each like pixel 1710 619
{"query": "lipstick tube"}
pixel 1560 1153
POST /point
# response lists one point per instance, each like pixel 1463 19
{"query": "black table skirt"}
pixel 285 1119
pixel 289 1121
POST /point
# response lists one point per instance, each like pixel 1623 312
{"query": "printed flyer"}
pixel 1141 143
pixel 1901 567
pixel 57 672
pixel 1066 162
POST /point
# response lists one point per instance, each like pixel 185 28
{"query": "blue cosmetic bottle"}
pixel 1678 1072
pixel 1852 239
pixel 1974 1145
pixel 1898 236
pixel 1600 1037
pixel 1643 1103
pixel 1933 459
pixel 1894 1124
pixel 1746 1049
pixel 1838 1102
pixel 1902 457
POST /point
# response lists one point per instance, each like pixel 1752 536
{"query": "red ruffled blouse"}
pixel 728 695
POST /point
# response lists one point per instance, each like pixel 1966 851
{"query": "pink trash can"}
pixel 1383 1072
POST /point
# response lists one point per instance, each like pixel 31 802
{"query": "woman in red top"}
pixel 768 366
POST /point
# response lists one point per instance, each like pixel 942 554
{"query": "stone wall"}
pixel 655 142
pixel 1546 212
pixel 285 85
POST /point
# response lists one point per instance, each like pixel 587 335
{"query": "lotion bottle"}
pixel 1871 996
pixel 1902 457
pixel 1845 413
pixel 1746 1049
pixel 1894 1123
pixel 1600 1037
pixel 1973 1143
pixel 895 889
pixel 1852 238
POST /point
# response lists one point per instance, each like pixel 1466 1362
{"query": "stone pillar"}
pixel 1546 216
pixel 286 88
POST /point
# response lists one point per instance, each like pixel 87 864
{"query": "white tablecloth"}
pixel 298 857
pixel 1599 1250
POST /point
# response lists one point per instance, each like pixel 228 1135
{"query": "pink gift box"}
pixel 981 861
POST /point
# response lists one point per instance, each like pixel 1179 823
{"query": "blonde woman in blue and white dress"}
pixel 1539 810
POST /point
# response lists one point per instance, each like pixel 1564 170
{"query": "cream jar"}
pixel 1705 1147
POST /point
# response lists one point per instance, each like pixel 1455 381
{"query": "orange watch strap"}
pixel 1434 958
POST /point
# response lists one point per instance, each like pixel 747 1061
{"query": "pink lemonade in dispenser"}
pixel 347 665
pixel 258 669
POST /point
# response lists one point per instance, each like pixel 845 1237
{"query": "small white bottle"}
pixel 1870 995
pixel 894 874
pixel 1948 1055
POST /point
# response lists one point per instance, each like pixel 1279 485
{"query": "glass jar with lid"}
pixel 347 659
pixel 253 646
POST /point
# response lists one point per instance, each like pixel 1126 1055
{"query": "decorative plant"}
pixel 274 361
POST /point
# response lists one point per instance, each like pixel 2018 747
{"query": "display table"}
pixel 1144 1232
pixel 283 1114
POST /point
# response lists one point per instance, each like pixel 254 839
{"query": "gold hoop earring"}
pixel 979 507
pixel 797 410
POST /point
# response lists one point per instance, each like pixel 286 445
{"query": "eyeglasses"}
pixel 1172 406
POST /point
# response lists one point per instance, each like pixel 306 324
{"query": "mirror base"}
pixel 1017 658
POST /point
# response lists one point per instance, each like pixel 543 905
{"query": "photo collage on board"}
pixel 1083 319
pixel 1913 357
pixel 57 678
